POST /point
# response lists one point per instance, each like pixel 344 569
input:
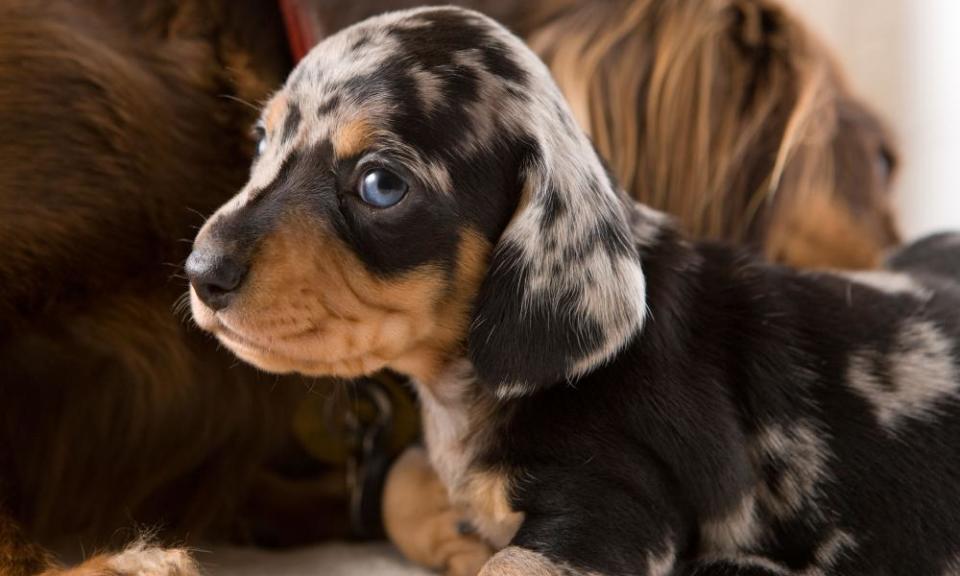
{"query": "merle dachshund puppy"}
pixel 600 395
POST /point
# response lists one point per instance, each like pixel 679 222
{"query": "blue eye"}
pixel 382 188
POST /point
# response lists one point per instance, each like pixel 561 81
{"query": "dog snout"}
pixel 216 277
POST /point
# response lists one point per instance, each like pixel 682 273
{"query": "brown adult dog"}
pixel 116 128
pixel 119 135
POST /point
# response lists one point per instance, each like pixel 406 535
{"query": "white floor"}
pixel 328 560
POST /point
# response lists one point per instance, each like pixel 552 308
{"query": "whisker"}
pixel 181 307
pixel 195 211
pixel 233 98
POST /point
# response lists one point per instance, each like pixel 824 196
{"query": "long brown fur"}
pixel 730 115
pixel 121 130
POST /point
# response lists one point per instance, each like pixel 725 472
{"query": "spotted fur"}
pixel 600 395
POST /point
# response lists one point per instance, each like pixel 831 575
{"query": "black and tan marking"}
pixel 755 421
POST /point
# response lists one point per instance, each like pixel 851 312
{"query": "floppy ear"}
pixel 564 291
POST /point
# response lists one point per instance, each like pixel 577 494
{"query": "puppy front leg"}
pixel 592 528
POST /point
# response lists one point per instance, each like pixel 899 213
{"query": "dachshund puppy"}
pixel 599 395
pixel 729 115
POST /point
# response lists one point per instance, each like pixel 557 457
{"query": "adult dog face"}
pixel 403 159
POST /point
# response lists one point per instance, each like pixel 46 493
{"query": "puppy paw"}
pixel 421 522
pixel 140 559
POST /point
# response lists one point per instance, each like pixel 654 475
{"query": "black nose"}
pixel 215 277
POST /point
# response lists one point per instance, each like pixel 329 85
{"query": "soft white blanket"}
pixel 327 560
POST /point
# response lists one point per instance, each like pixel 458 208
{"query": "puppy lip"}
pixel 237 335
pixel 274 360
pixel 244 348
pixel 235 339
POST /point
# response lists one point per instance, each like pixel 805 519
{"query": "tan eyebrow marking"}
pixel 352 138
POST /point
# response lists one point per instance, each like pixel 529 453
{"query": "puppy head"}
pixel 422 193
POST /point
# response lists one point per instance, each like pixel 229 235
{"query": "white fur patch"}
pixel 662 564
pixel 736 531
pixel 922 375
pixel 829 552
pixel 801 456
pixel 892 283
pixel 446 422
pixel 141 559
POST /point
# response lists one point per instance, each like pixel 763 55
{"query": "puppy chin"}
pixel 279 358
pixel 261 359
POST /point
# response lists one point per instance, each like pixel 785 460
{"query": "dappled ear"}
pixel 564 291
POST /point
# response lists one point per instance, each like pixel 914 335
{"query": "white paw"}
pixel 143 560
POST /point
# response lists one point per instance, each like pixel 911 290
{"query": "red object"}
pixel 302 32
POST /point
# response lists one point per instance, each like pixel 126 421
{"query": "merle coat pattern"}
pixel 600 395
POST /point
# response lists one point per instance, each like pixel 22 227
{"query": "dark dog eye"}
pixel 382 188
pixel 260 136
pixel 886 163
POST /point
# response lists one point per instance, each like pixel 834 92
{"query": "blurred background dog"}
pixel 127 123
